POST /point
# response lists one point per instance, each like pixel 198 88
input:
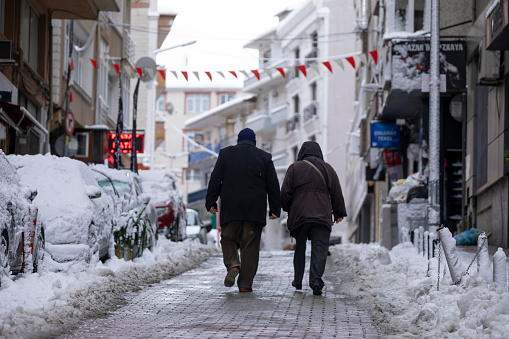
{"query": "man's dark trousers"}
pixel 319 236
pixel 243 235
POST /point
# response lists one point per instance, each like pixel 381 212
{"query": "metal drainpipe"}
pixel 50 81
pixel 325 110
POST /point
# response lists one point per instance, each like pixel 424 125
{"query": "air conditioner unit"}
pixel 497 26
pixel 489 64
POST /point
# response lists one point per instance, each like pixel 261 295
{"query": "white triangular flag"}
pixel 220 73
pixel 314 66
pixel 291 70
pixel 175 74
pixel 197 75
pixel 245 73
pixel 362 58
pixel 340 63
pixel 269 73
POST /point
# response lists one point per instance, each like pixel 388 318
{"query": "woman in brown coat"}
pixel 312 196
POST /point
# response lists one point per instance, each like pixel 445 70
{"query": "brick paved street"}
pixel 197 305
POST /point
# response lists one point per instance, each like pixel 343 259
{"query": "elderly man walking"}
pixel 311 194
pixel 243 177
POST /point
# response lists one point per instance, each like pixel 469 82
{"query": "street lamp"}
pixel 153 108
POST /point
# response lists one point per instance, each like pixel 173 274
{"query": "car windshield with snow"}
pixel 135 225
pixel 196 228
pixel 21 236
pixel 77 217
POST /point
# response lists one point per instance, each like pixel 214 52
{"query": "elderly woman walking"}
pixel 312 196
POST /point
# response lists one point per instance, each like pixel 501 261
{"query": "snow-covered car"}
pixel 196 228
pixel 21 236
pixel 77 217
pixel 169 202
pixel 135 225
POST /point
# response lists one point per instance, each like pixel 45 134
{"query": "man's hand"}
pixel 273 216
pixel 213 210
pixel 339 220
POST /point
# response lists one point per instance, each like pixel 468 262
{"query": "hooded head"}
pixel 310 148
pixel 247 134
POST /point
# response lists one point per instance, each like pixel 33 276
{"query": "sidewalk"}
pixel 197 305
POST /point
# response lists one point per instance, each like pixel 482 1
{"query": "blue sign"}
pixel 384 135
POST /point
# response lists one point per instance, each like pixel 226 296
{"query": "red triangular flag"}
pixel 94 63
pixel 185 75
pixel 163 73
pixel 234 74
pixel 374 55
pixel 140 71
pixel 72 64
pixel 117 68
pixel 256 73
pixel 70 96
pixel 351 60
pixel 328 65
pixel 282 71
pixel 210 75
pixel 302 68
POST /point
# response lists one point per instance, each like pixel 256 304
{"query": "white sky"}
pixel 221 29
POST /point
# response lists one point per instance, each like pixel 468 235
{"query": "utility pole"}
pixel 434 118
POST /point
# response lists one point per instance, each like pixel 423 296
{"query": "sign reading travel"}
pixel 125 142
pixel 385 135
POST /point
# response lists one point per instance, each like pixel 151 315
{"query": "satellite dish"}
pixel 148 67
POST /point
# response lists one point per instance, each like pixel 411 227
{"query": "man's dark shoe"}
pixel 233 272
pixel 245 289
pixel 317 290
pixel 297 286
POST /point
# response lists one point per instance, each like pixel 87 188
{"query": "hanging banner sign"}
pixel 125 142
pixel 385 135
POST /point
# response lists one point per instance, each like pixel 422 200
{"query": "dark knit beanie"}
pixel 247 134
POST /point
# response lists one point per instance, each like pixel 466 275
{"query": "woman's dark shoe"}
pixel 297 286
pixel 317 290
pixel 229 280
pixel 245 289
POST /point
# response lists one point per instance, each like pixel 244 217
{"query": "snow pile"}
pixel 45 303
pixel 406 303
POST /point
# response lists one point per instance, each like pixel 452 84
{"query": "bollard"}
pixel 421 236
pixel 449 246
pixel 426 244
pixel 483 259
pixel 403 233
pixel 500 269
pixel 416 238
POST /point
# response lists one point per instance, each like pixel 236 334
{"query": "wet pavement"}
pixel 196 304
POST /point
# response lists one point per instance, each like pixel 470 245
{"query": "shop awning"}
pixel 20 119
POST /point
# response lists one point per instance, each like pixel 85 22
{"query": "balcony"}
pixel 252 84
pixel 292 124
pixel 311 112
pixel 195 158
pixel 197 196
pixel 278 114
pixel 260 122
pixel 129 48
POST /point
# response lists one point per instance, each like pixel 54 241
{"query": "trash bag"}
pixel 417 192
pixel 468 238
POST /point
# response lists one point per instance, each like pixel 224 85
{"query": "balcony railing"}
pixel 129 47
pixel 195 157
pixel 293 123
pixel 311 111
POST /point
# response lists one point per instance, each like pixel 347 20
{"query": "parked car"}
pixel 77 217
pixel 135 226
pixel 196 228
pixel 169 202
pixel 21 235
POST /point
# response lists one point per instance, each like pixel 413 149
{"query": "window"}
pixel 296 102
pixel 82 145
pixel 225 97
pixel 29 34
pixel 194 135
pixel 105 80
pixel 82 74
pixel 313 91
pixel 297 60
pixel 266 57
pixel 126 99
pixel 192 175
pixel 161 103
pixel 407 15
pixel 197 102
pixel 266 104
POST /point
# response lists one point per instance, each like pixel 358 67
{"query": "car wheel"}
pixel 39 251
pixel 203 236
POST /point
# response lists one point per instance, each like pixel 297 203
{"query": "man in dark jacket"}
pixel 311 194
pixel 243 177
